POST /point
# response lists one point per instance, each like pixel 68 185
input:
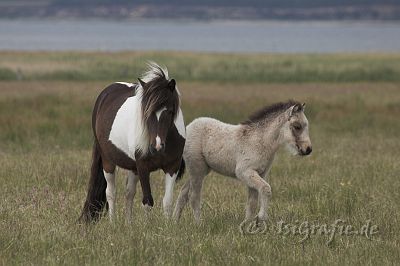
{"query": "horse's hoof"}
pixel 168 215
pixel 147 208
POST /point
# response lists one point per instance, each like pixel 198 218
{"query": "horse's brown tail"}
pixel 181 170
pixel 96 196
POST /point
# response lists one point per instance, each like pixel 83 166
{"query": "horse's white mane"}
pixel 154 70
pixel 140 133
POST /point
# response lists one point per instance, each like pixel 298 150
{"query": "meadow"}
pixel 353 106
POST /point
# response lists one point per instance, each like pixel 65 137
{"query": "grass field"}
pixel 352 175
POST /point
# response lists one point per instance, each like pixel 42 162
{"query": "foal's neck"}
pixel 270 132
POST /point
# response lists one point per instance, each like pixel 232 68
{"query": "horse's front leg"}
pixel 144 177
pixel 170 178
pixel 253 180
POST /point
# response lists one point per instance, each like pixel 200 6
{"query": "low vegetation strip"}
pixel 90 66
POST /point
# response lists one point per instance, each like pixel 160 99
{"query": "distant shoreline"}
pixel 200 13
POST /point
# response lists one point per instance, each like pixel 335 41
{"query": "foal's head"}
pixel 295 130
pixel 160 105
pixel 287 117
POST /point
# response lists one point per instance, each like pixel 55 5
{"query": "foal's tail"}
pixel 181 170
pixel 96 195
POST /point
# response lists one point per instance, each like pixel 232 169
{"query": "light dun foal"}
pixel 245 151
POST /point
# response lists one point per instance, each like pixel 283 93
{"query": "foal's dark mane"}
pixel 157 92
pixel 270 111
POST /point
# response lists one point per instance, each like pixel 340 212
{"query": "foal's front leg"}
pixel 251 206
pixel 253 180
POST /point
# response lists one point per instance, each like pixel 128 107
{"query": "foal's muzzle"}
pixel 307 151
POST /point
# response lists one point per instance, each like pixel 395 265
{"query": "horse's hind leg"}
pixel 109 174
pixel 131 182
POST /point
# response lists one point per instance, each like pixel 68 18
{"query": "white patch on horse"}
pixel 159 112
pixel 128 132
pixel 110 192
pixel 126 83
pixel 180 124
pixel 169 193
pixel 158 143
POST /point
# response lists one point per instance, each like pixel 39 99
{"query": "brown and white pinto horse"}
pixel 138 127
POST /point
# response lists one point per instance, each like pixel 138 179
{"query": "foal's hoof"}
pixel 253 226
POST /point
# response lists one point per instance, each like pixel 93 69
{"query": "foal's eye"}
pixel 297 127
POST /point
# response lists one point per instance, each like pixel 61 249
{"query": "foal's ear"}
pixel 297 108
pixel 304 106
pixel 290 111
pixel 172 84
pixel 142 83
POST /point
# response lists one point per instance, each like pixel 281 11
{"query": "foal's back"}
pixel 211 144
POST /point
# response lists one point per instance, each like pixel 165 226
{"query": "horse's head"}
pixel 160 106
pixel 295 130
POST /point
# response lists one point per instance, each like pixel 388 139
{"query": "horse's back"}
pixel 110 100
pixel 113 96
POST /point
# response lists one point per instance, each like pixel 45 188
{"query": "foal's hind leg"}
pixel 131 182
pixel 182 200
pixel 197 169
pixel 195 196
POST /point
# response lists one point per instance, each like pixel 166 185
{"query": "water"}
pixel 221 36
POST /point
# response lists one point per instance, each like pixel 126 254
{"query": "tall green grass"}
pixel 85 66
pixel 352 174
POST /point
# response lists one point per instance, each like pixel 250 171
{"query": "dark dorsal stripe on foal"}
pixel 271 111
